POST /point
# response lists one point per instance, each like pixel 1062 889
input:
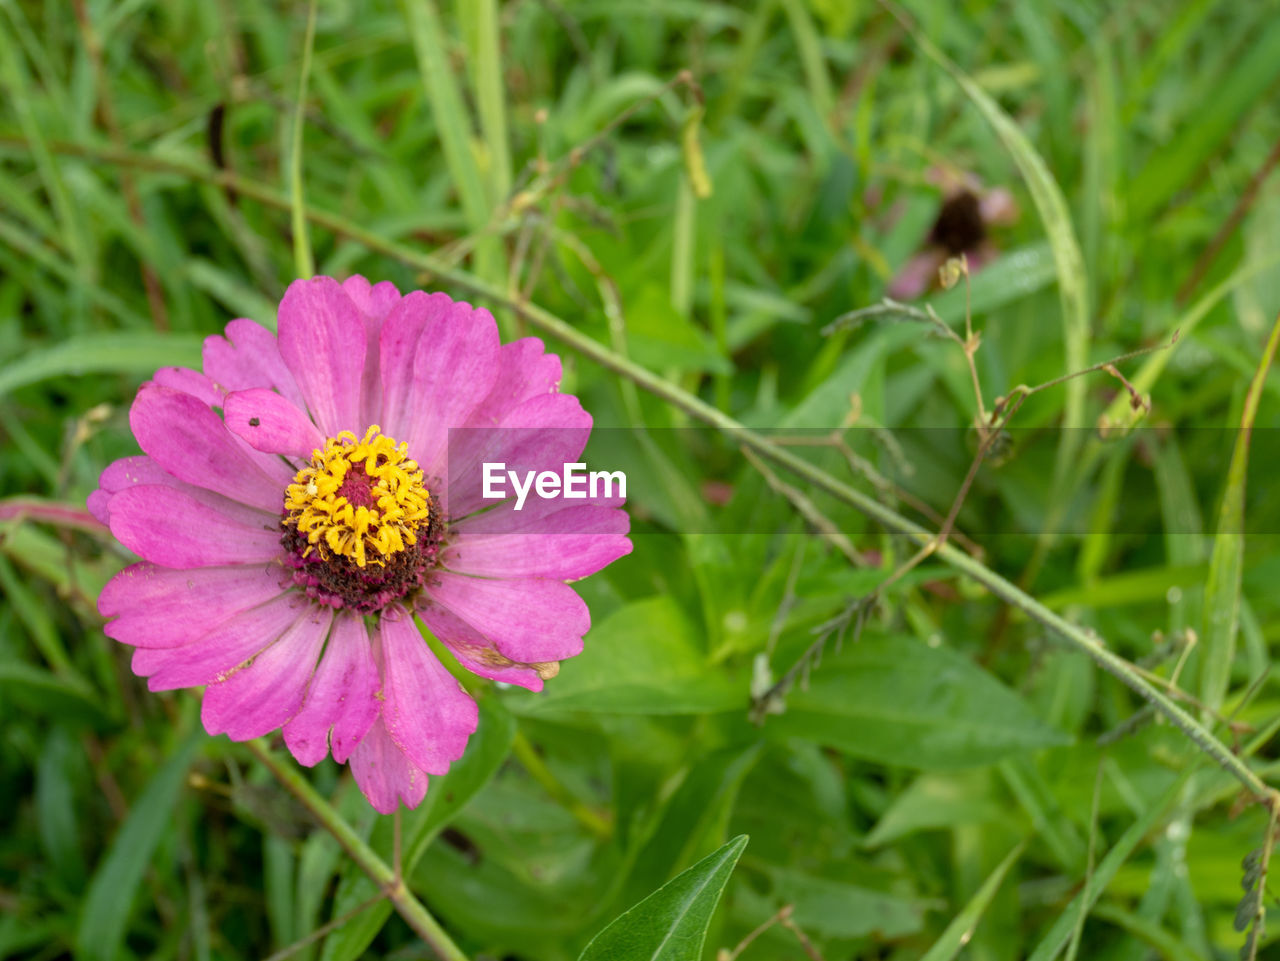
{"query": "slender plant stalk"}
pixel 302 258
pixel 409 907
pixel 547 322
pixel 324 929
pixel 538 770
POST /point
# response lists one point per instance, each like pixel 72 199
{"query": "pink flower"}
pixel 963 225
pixel 292 515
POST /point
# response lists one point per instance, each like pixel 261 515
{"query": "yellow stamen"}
pixel 377 471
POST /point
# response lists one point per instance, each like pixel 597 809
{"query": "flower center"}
pixel 360 527
pixel 359 499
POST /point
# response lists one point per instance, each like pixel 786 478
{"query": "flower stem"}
pixel 409 907
pixel 533 763
pixel 303 261
pixel 694 406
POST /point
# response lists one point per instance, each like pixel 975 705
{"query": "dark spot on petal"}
pixel 254 421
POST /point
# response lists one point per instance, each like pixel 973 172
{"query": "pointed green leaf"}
pixel 960 930
pixel 670 924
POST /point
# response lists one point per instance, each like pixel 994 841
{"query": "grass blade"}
pixel 122 353
pixel 960 930
pixel 1056 940
pixel 100 935
pixel 1226 565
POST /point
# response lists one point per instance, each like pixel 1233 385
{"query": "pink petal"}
pixel 322 341
pixel 222 650
pixel 248 357
pixel 271 423
pixel 262 696
pixel 160 607
pixel 374 301
pixel 191 442
pixel 171 528
pixel 476 652
pixel 142 471
pixel 397 347
pixel 97 503
pixel 981 256
pixel 525 371
pixel 917 274
pixel 424 710
pixel 503 518
pixel 454 367
pixel 189 382
pixel 343 695
pixel 529 621
pixel 543 433
pixel 385 776
pixel 571 543
pixel 133 471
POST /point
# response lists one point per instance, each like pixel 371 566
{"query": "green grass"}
pixel 930 791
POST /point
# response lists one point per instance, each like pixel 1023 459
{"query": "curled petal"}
pixel 271 423
pixel 477 653
pixel 185 437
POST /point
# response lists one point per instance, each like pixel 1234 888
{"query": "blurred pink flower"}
pixel 292 517
pixel 962 226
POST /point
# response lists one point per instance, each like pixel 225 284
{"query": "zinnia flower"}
pixel 968 212
pixel 292 514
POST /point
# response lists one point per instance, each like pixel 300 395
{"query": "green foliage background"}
pixel 938 787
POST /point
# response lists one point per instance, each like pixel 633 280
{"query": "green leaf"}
pixel 643 659
pixel 660 336
pixel 100 935
pixel 45 694
pixel 839 909
pixel 939 801
pixel 898 701
pixel 1013 275
pixel 960 930
pixel 1226 565
pixel 1120 415
pixel 693 822
pixel 670 924
pixel 122 353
